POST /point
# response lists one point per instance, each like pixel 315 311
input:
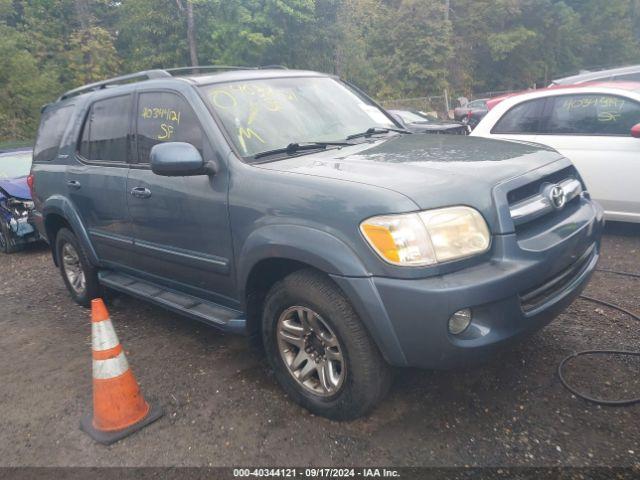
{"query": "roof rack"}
pixel 145 75
pixel 156 73
pixel 199 68
pixel 196 69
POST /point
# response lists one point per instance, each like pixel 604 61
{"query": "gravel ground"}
pixel 223 406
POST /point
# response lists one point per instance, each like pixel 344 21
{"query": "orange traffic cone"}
pixel 118 406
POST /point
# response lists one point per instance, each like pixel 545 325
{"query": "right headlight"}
pixel 428 237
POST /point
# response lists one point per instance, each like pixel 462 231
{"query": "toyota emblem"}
pixel 557 196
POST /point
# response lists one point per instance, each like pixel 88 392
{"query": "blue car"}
pixel 15 200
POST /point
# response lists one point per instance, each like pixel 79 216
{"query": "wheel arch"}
pixel 295 244
pixel 52 225
pixel 271 253
pixel 58 212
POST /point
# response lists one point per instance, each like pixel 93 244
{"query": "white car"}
pixel 630 73
pixel 596 125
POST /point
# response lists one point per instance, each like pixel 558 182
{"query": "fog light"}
pixel 459 321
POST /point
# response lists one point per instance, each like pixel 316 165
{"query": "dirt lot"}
pixel 224 408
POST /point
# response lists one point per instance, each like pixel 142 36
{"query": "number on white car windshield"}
pixel 593 114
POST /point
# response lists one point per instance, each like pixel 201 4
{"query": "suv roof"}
pixel 198 75
pixel 588 76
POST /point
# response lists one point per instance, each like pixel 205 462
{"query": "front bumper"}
pixel 513 294
pixel 20 227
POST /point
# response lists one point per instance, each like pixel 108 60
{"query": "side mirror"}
pixel 635 131
pixel 178 159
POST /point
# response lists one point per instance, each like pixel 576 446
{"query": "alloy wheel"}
pixel 311 351
pixel 73 268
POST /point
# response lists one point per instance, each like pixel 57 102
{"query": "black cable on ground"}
pixel 600 401
pixel 626 274
pixel 611 305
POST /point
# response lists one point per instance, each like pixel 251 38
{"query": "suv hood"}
pixel 432 170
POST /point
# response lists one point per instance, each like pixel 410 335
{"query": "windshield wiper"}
pixel 294 148
pixel 375 130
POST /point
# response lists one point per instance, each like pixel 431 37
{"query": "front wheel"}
pixel 320 351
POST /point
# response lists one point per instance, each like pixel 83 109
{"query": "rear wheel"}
pixel 80 277
pixel 319 349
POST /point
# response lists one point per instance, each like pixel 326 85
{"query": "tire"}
pixel 8 241
pixel 82 292
pixel 364 376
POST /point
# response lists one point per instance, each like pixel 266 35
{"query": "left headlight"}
pixel 428 237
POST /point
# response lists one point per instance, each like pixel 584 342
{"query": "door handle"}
pixel 73 184
pixel 140 192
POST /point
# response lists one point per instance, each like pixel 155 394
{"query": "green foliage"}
pixel 503 44
pixel 24 87
pixel 254 32
pixel 412 48
pixel 390 48
pixel 91 55
pixel 608 31
pixel 151 35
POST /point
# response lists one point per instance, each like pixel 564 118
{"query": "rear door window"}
pixel 524 118
pixel 165 117
pixel 105 135
pixel 592 114
pixel 52 126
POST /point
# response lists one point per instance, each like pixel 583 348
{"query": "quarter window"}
pixel 523 118
pixel 52 127
pixel 106 129
pixel 165 117
pixel 592 115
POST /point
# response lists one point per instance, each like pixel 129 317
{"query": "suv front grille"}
pixel 530 189
pixel 539 295
pixel 544 196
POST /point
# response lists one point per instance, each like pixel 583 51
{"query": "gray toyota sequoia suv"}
pixel 289 206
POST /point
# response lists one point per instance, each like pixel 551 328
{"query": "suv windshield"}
pixel 14 165
pixel 263 115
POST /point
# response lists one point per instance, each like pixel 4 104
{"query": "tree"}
pixel 24 86
pixel 191 30
pixel 255 32
pixel 608 32
pixel 394 48
pixel 357 20
pixel 414 43
pixel 149 35
pixel 390 48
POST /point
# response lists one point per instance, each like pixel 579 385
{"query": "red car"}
pixel 472 112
